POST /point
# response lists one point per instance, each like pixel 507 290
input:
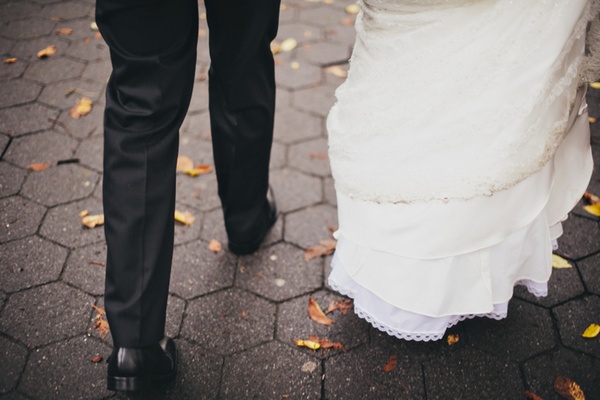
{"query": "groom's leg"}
pixel 153 51
pixel 242 106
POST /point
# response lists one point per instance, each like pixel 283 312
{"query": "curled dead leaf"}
pixel 337 71
pixel 352 9
pixel 47 52
pixel 316 314
pixel 590 198
pixel 560 263
pixel 38 166
pixel 184 163
pixel 391 364
pixel 324 248
pixel 307 343
pixel 532 396
pixel 343 305
pixel 92 221
pixel 199 169
pixel 568 389
pixel 275 47
pixel 595 85
pixel 592 120
pixel 83 107
pixel 101 324
pixel 215 246
pixel 591 331
pixel 326 343
pixel 96 359
pixel 453 339
pixel 288 44
pixel 10 60
pixel 64 31
pixel 184 217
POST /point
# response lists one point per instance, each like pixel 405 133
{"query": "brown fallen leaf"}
pixel 326 343
pixel 590 198
pixel 352 9
pixel 592 120
pixel 337 71
pixel 199 169
pixel 64 31
pixel 184 217
pixel 96 359
pixel 316 314
pixel 10 60
pixel 324 248
pixel 568 389
pixel 101 324
pixel 391 364
pixel 184 163
pixel 307 343
pixel 38 166
pixel 244 314
pixel 453 339
pixel 215 246
pixel 595 85
pixel 84 213
pixel 591 331
pixel 81 108
pixel 532 396
pixel 593 209
pixel 348 21
pixel 47 52
pixel 92 221
pixel 343 305
pixel 100 263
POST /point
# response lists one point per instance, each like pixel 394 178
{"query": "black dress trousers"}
pixel 153 52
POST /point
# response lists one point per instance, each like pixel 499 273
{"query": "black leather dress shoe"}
pixel 134 369
pixel 241 249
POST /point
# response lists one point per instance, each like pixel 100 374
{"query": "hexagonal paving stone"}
pixel 573 318
pixel 311 157
pixel 329 191
pixel 290 77
pixel 13 396
pixel 65 94
pixel 98 71
pixel 93 50
pixel 29 262
pixel 91 152
pixel 590 272
pixel 26 50
pixel 11 71
pixel 229 321
pixel 301 32
pixel 580 237
pixel 188 233
pixel 61 184
pixel 278 156
pixel 28 118
pixel 27 28
pixel 360 373
pixel 306 227
pixel 317 100
pixel 279 273
pixel 324 53
pixel 197 126
pixel 323 16
pixel 470 374
pixel 67 371
pixel 528 330
pixel 540 373
pixel 12 358
pixel 200 192
pixel 293 126
pixel 86 268
pixel 14 10
pixel 89 125
pixel 19 218
pixel 66 10
pixel 45 147
pixel 54 70
pixel 11 179
pixel 271 371
pixel 54 312
pixel 63 224
pixel 18 91
pixel 294 323
pixel 197 270
pixel 295 190
pixel 564 285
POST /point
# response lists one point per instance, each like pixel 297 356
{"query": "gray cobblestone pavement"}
pixel 234 319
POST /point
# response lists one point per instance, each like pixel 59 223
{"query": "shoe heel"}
pixel 126 384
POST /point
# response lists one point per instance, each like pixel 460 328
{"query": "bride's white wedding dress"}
pixel 458 144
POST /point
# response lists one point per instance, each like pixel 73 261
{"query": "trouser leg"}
pixel 242 106
pixel 153 52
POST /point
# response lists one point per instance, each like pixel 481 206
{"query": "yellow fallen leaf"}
pixel 184 163
pixel 101 324
pixel 275 47
pixel 10 60
pixel 288 44
pixel 591 120
pixel 593 209
pixel 295 65
pixel 283 7
pixel 453 339
pixel 92 221
pixel 94 26
pixel 568 389
pixel 391 364
pixel 64 31
pixel 83 107
pixel 595 85
pixel 591 331
pixel 184 217
pixel 199 169
pixel 307 343
pixel 203 15
pixel 353 9
pixel 336 70
pixel 215 246
pixel 316 314
pixel 38 166
pixel 84 213
pixel 560 263
pixel 47 52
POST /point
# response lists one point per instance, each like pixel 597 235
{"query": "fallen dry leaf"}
pixel 593 209
pixel 560 263
pixel 100 263
pixel 294 65
pixel 532 396
pixel 288 44
pixel 10 60
pixel 94 26
pixel 96 359
pixel 64 31
pixel 568 389
pixel 215 246
pixel 316 314
pixel 199 169
pixel 97 35
pixel 590 198
pixel 326 343
pixel 84 213
pixel 324 248
pixel 47 52
pixel 591 120
pixel 275 47
pixel 352 9
pixel 338 71
pixel 38 166
pixel 307 343
pixel 92 221
pixel 343 305
pixel 101 324
pixel 453 339
pixel 83 107
pixel 184 163
pixel 595 85
pixel 184 217
pixel 591 331
pixel 391 364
